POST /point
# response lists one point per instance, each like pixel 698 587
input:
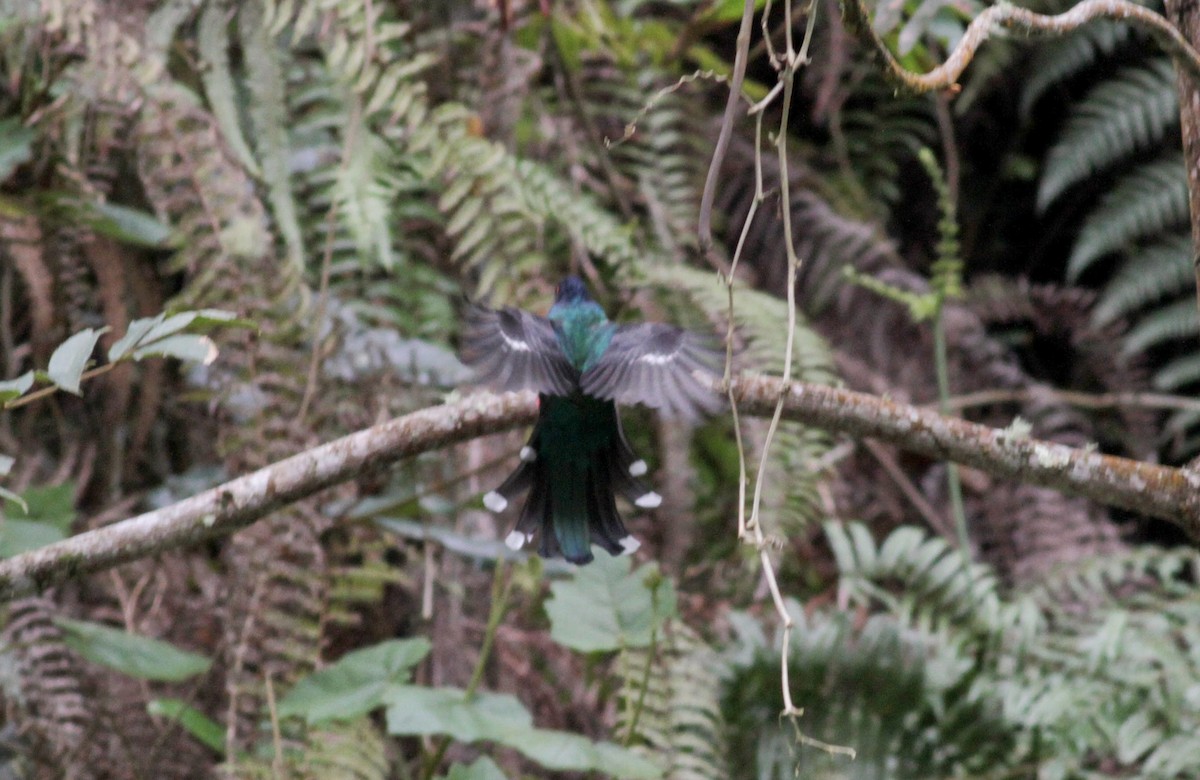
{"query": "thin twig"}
pixel 42 392
pixel 277 765
pixel 1134 399
pixel 945 76
pixel 791 61
pixel 704 226
pixel 932 517
pixel 632 125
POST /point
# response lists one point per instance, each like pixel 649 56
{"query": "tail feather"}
pixel 605 524
pixel 624 467
pixel 536 509
pixel 572 479
pixel 518 482
pixel 569 513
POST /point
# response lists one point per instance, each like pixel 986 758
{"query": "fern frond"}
pixel 44 688
pixel 212 41
pixel 493 231
pixel 1178 373
pixel 1110 636
pixel 580 216
pixel 677 704
pixel 1131 111
pixel 827 239
pixel 906 700
pixel 1063 57
pixel 268 113
pixel 882 131
pixel 938 584
pixel 353 751
pixel 1150 273
pixel 1174 321
pixel 1143 203
pixel 663 155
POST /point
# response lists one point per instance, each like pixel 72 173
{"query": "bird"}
pixel 577 457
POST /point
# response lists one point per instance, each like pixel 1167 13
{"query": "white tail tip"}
pixel 515 540
pixel 495 502
pixel 528 454
pixel 629 545
pixel 638 468
pixel 649 501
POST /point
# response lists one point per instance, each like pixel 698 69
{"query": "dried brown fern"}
pixel 45 692
pixel 21 243
pixel 277 582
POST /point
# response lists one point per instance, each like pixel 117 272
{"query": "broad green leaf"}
pixel 418 711
pixel 16 145
pixel 572 752
pixel 6 464
pixel 8 495
pixel 186 319
pixel 186 346
pixel 41 516
pixel 51 504
pixel 414 710
pixel 18 536
pixel 129 226
pixel 134 335
pixel 69 361
pixel 605 606
pixel 132 654
pixel 483 769
pixel 356 683
pixel 195 722
pixel 14 388
pixel 148 331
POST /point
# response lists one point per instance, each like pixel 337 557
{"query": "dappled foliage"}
pixel 230 231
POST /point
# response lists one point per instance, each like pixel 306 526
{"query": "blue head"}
pixel 583 330
pixel 571 290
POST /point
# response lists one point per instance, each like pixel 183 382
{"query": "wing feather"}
pixel 653 364
pixel 511 349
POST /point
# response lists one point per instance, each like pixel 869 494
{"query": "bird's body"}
pixel 577 457
pixel 583 331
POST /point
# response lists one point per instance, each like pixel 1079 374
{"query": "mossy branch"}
pixel 1170 493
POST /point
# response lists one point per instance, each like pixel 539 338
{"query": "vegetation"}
pixel 231 231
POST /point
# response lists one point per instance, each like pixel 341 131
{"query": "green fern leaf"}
pixel 1063 57
pixel 212 38
pixel 1150 273
pixel 1131 111
pixel 1174 321
pixel 269 114
pixel 677 705
pixel 1143 203
pixel 1178 373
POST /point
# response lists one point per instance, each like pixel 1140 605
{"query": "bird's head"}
pixel 571 290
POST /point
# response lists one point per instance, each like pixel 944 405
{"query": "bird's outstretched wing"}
pixel 655 364
pixel 510 349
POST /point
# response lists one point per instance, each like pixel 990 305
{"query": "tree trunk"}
pixel 1185 15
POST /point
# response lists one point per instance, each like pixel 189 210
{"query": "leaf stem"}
pixel 650 653
pixel 501 587
pixel 943 383
pixel 42 392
